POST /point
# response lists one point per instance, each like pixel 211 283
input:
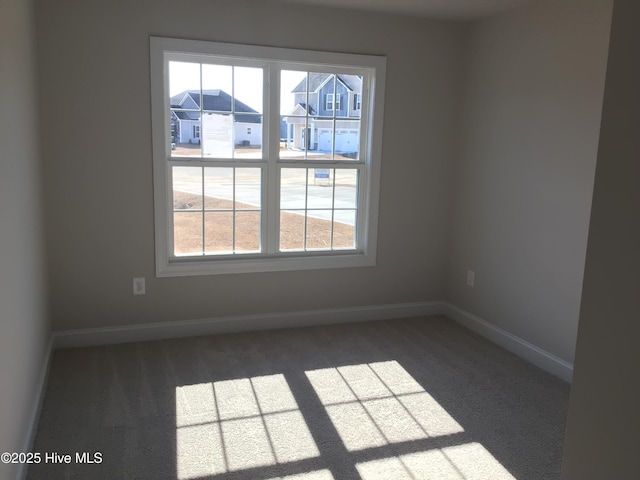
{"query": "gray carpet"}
pixel 419 398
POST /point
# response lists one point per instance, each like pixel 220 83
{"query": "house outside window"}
pixel 245 201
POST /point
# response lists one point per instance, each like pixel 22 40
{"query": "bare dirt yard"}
pixel 218 231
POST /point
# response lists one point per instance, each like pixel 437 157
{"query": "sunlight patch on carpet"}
pixel 377 404
pixel 238 424
pixel 317 475
pixel 470 461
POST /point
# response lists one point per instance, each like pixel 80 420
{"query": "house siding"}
pixel 254 138
pixel 184 132
pixel 341 90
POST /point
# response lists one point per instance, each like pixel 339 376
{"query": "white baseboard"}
pixel 514 344
pixel 36 408
pixel 210 326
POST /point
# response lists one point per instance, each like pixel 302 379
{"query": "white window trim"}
pixel 329 102
pixel 370 146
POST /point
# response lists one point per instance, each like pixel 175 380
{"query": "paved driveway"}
pixel 319 193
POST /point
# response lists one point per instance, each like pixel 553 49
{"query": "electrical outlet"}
pixel 138 286
pixel 471 278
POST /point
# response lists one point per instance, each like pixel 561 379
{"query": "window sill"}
pixel 190 266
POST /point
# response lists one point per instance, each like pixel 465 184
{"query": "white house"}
pixel 186 117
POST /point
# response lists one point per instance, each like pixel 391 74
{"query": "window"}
pixel 269 184
pixel 357 101
pixel 329 104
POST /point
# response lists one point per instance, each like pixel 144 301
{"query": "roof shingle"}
pixel 214 100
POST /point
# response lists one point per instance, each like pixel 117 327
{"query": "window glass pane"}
pixel 247 131
pixel 217 88
pixel 187 233
pixel 353 84
pixel 295 137
pixel 347 139
pixel 247 232
pixel 186 133
pixel 323 129
pixel 187 180
pixel 184 92
pixel 320 188
pixel 293 94
pixel 218 232
pixel 293 185
pixel 344 222
pixel 323 85
pixel 346 195
pixel 292 230
pixel 248 188
pixel 218 188
pixel 186 201
pixel 248 89
pixel 184 78
pixel 319 230
pixel 187 188
pixel 308 104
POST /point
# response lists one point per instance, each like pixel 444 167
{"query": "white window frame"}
pixel 373 68
pixel 329 102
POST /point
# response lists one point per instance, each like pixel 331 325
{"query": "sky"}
pixel 248 82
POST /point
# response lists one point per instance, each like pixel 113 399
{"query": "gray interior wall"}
pixel 524 178
pixel 603 431
pixel 24 328
pixel 94 85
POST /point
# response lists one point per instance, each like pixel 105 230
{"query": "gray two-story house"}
pixel 328 98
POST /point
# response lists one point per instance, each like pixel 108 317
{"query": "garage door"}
pixel 346 140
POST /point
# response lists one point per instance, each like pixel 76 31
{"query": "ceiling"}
pixel 442 9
